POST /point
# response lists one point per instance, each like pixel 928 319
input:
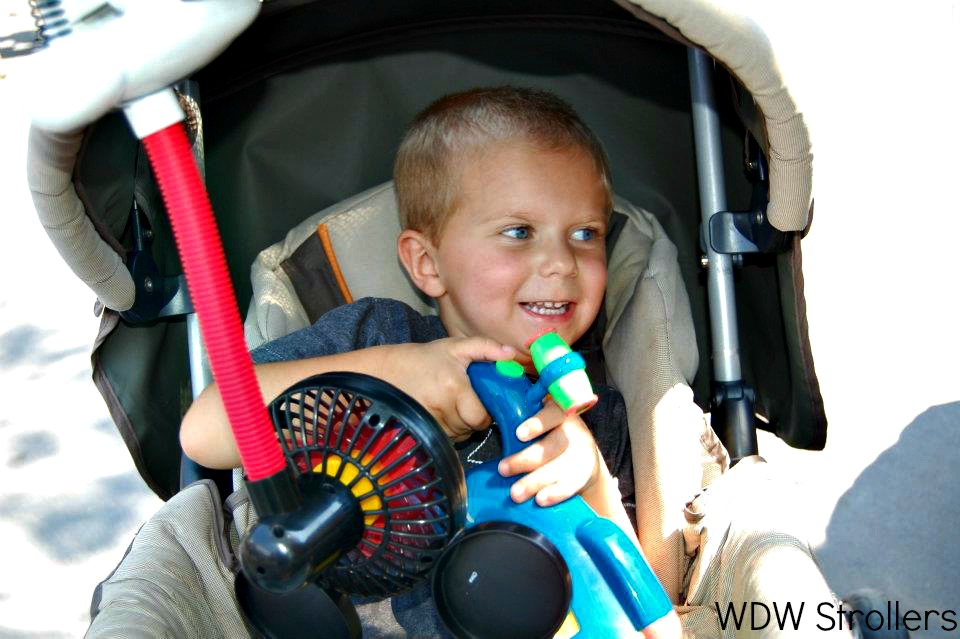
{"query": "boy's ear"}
pixel 418 255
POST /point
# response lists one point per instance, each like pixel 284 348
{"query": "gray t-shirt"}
pixel 375 321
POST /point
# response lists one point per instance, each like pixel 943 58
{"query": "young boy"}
pixel 504 199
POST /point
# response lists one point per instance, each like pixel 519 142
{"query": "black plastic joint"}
pixel 276 494
pixel 733 420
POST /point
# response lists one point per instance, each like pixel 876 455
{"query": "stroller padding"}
pixel 649 345
pixel 176 579
pixel 363 232
pixel 748 534
pixel 50 161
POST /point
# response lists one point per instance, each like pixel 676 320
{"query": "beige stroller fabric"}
pixel 742 534
pixel 363 232
pixel 50 161
pixel 176 580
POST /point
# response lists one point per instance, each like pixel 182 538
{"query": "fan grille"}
pixel 390 457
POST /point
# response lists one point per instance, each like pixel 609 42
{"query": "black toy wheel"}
pixel 502 579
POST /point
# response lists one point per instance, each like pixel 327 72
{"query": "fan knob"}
pixel 283 551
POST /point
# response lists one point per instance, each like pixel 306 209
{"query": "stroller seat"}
pixel 711 534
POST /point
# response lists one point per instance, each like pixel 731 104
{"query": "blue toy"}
pixel 526 570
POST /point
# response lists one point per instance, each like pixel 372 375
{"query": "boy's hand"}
pixel 435 374
pixel 564 463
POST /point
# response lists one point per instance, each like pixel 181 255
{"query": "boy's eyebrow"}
pixel 510 215
pixel 526 216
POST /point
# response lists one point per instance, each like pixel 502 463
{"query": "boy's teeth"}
pixel 547 308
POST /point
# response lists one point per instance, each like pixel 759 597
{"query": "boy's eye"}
pixel 517 232
pixel 585 234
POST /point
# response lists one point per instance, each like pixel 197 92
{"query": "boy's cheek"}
pixel 596 272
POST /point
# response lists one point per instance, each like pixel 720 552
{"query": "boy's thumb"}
pixel 475 349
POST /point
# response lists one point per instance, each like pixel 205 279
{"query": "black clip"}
pixel 737 232
pixel 156 295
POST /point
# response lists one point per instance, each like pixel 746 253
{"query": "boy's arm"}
pixel 205 433
pixel 603 496
pixel 434 374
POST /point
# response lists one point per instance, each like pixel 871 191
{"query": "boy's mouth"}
pixel 547 309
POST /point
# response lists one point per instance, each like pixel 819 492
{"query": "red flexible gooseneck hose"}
pixel 211 291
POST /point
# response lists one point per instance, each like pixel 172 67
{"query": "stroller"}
pixel 303 112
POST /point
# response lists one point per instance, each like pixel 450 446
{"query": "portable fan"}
pixel 381 492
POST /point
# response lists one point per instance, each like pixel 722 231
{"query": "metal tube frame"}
pixel 200 374
pixel 732 405
pixel 706 133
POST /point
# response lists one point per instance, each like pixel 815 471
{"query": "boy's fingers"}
pixel 556 492
pixel 549 417
pixel 473 349
pixel 451 426
pixel 533 456
pixel 471 411
pixel 551 483
pixel 528 486
pixel 528 459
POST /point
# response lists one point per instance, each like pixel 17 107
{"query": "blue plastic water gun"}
pixel 523 570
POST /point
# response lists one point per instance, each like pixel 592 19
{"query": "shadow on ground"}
pixel 894 530
pixel 27 448
pixel 23 345
pixel 72 529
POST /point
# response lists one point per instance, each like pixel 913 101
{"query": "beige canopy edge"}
pixel 50 162
pixel 740 44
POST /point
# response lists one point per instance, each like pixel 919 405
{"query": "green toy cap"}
pixel 572 392
pixel 509 368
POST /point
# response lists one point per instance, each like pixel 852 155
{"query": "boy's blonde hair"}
pixel 444 135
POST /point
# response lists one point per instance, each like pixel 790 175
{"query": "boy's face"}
pixel 523 250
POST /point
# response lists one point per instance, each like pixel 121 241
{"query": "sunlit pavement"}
pixel 881 277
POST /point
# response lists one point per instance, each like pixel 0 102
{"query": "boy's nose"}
pixel 558 260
